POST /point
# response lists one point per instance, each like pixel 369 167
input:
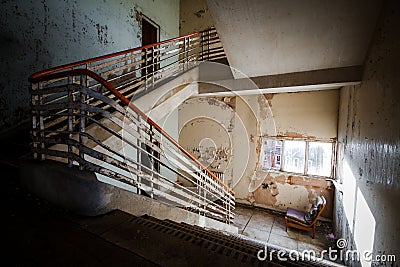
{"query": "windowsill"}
pixel 316 177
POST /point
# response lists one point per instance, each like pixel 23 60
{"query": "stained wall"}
pixel 194 16
pixel 369 147
pixel 36 35
pixel 236 126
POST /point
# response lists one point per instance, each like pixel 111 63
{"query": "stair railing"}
pixel 76 108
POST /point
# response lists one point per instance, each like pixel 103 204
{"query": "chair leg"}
pixel 286 224
pixel 313 233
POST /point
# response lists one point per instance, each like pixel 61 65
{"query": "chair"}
pixel 305 221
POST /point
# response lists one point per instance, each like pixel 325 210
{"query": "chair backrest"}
pixel 316 210
pixel 321 203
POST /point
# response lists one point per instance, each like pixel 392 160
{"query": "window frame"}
pixel 306 156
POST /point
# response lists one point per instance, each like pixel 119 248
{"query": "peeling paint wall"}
pixel 36 35
pixel 282 190
pixel 205 130
pixel 369 146
pixel 194 16
pixel 236 126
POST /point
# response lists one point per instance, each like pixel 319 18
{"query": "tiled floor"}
pixel 269 226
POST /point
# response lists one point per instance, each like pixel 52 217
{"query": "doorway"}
pixel 150 35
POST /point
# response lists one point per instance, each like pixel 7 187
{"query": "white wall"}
pixel 306 114
pixel 274 37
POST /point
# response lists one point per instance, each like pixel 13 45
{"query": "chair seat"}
pixel 296 215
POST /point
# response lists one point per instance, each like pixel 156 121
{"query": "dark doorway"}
pixel 150 35
pixel 150 31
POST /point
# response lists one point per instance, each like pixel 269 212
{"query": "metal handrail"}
pixel 47 81
pixel 126 101
pixel 35 77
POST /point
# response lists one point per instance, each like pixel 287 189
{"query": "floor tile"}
pixel 262 221
pixel 279 228
pixel 283 241
pixel 319 239
pixel 270 227
pixel 256 234
pixel 241 221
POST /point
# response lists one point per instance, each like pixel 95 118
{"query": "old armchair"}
pixel 305 220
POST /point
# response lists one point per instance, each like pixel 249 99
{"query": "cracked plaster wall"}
pixel 35 35
pixel 369 146
pixel 242 122
pixel 194 16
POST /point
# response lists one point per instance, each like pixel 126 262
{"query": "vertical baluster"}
pixel 34 101
pixel 70 118
pixel 82 119
pixel 188 53
pixel 228 206
pixel 202 46
pixel 139 154
pixel 151 161
pixel 145 69
pixel 41 122
pixel 204 181
pixel 200 191
pixel 153 66
pixel 208 44
pixel 184 54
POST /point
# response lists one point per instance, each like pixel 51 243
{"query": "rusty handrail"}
pixel 98 78
pixel 99 58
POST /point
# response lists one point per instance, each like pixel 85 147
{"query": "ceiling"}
pixel 268 37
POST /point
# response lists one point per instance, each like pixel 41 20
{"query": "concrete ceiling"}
pixel 268 37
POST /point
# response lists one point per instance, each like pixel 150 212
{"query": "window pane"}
pixel 319 158
pixel 270 154
pixel 294 153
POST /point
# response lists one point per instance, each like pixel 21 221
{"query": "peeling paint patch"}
pixel 269 98
pixel 279 191
pixel 200 13
pixel 296 135
pixel 102 33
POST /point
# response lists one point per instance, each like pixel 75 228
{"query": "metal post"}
pixel 41 122
pixel 35 114
pixel 228 199
pixel 145 69
pixel 139 154
pixel 70 118
pixel 204 187
pixel 202 47
pixel 188 53
pixel 151 161
pixel 184 53
pixel 82 119
pixel 153 66
pixel 208 44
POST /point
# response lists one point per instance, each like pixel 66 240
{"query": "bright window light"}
pixel 294 153
pixel 319 158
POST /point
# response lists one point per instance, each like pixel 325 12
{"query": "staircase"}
pixel 82 116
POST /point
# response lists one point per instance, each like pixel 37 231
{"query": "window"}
pixel 319 161
pixel 298 156
pixel 294 156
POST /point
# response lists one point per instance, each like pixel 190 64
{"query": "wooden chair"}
pixel 305 221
